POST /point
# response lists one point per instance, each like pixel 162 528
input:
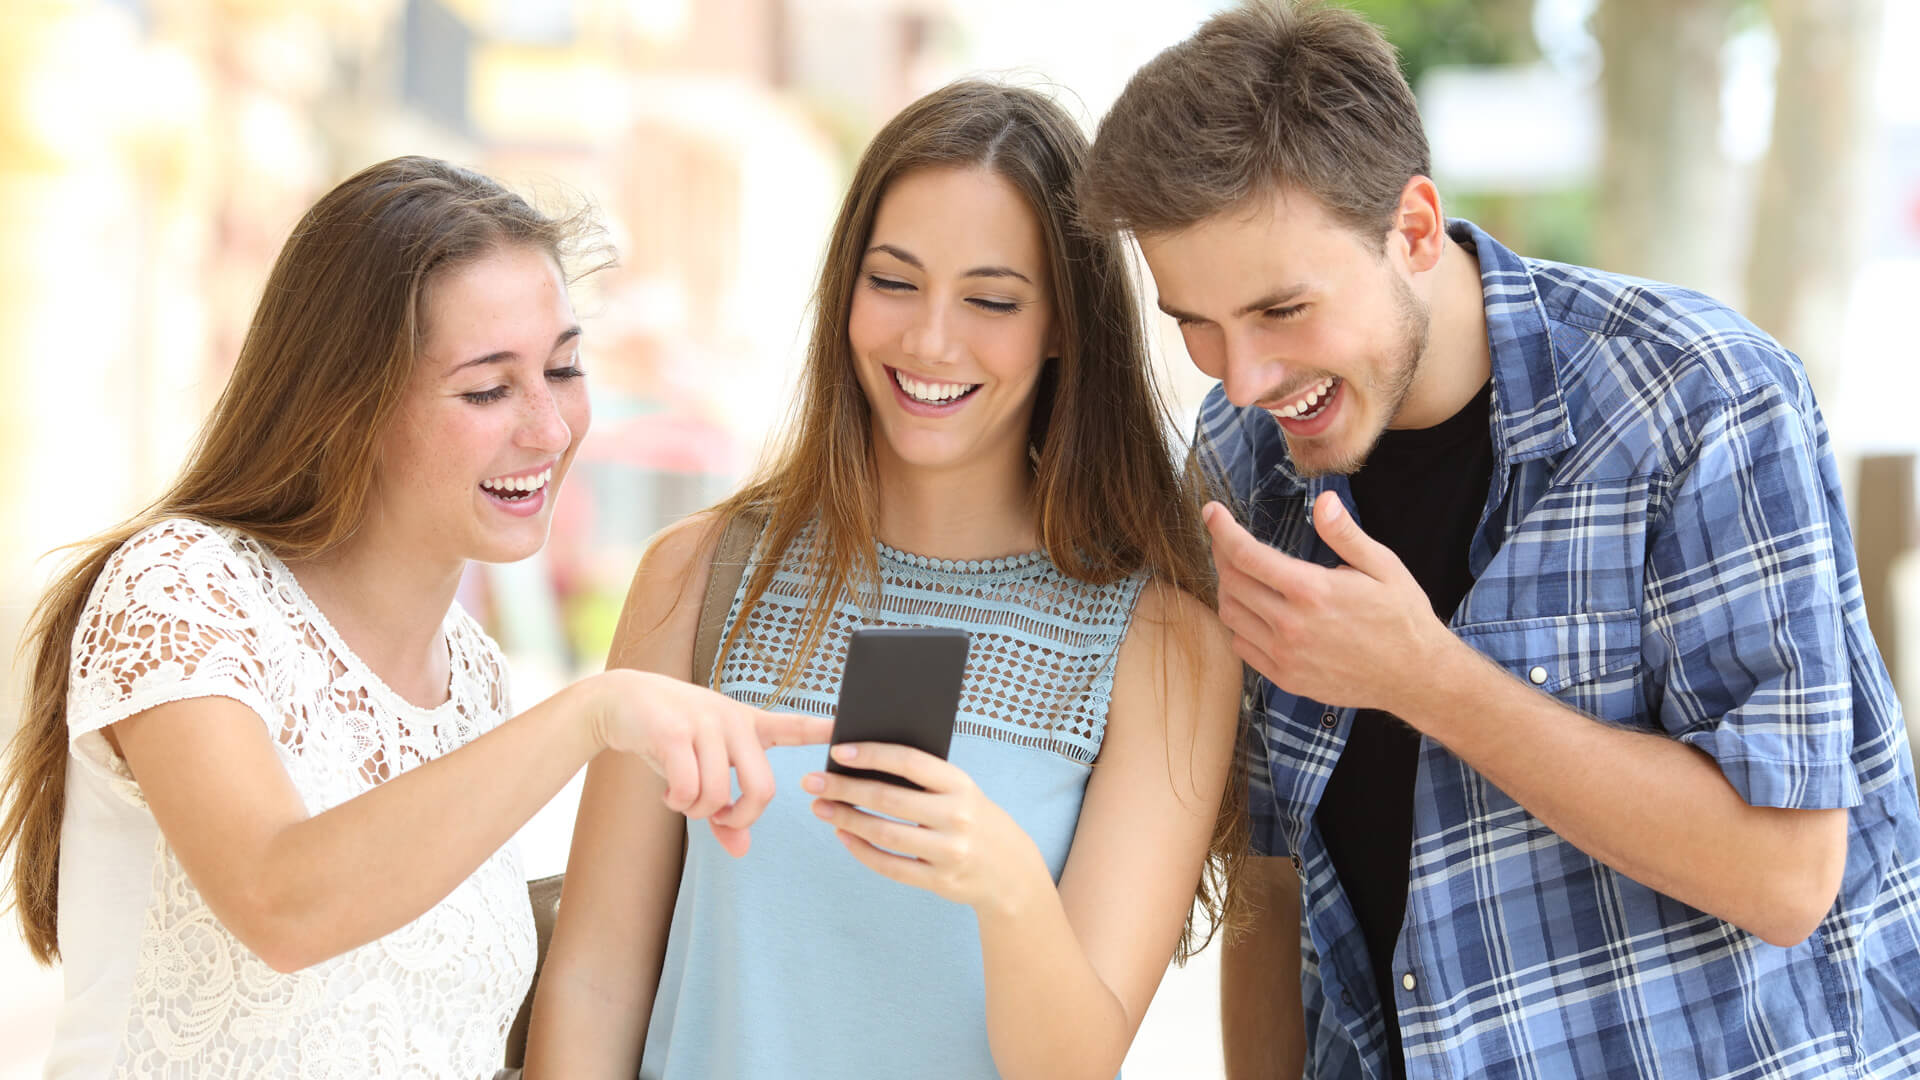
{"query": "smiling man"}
pixel 1568 736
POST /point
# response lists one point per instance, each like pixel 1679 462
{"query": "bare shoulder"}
pixel 1176 696
pixel 684 547
pixel 1171 623
pixel 662 610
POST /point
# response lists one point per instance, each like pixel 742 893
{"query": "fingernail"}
pixel 845 752
pixel 821 809
pixel 1333 510
pixel 813 782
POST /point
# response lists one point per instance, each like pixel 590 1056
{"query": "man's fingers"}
pixel 1236 549
pixel 1355 548
pixel 1243 620
pixel 1257 659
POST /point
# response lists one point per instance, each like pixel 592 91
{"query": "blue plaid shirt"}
pixel 1664 548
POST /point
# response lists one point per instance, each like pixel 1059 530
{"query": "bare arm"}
pixel 623 874
pixel 1070 972
pixel 1261 1023
pixel 299 889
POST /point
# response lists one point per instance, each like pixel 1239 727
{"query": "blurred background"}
pixel 154 154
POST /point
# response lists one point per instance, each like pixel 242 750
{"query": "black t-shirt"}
pixel 1420 493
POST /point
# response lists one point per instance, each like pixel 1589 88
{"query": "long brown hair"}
pixel 287 455
pixel 1110 502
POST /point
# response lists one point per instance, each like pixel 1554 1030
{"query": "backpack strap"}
pixel 723 578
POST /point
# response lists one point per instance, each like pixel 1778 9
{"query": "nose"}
pixel 542 427
pixel 1249 375
pixel 929 338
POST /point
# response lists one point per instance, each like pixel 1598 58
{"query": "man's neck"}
pixel 1458 360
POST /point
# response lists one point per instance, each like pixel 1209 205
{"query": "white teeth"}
pixel 1305 404
pixel 519 483
pixel 930 393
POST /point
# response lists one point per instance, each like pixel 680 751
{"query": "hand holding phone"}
pixel 900 686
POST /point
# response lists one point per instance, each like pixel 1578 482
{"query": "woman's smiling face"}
pixel 952 319
pixel 497 407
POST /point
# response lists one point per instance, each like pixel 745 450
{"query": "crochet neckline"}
pixel 964 567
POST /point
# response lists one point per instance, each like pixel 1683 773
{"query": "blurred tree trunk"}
pixel 1806 224
pixel 1662 175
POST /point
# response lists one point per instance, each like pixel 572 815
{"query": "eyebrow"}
pixel 978 271
pixel 504 355
pixel 1276 298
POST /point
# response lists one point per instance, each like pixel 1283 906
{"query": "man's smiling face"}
pixel 1296 312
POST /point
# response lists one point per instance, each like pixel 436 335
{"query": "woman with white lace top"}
pixel 976 445
pixel 266 768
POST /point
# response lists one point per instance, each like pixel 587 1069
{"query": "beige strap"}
pixel 723 578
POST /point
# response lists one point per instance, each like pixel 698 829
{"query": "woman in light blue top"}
pixel 978 445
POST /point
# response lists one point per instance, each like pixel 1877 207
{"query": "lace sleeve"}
pixel 478 660
pixel 172 617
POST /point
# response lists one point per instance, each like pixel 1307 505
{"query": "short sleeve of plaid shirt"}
pixel 1742 617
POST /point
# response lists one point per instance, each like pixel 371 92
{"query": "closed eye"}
pixel 498 393
pixel 998 307
pixel 1283 313
pixel 887 284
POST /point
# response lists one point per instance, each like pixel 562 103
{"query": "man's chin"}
pixel 1317 457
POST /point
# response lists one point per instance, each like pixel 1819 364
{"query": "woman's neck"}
pixel 388 606
pixel 980 509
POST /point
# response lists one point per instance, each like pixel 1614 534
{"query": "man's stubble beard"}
pixel 1416 322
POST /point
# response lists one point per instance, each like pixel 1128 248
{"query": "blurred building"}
pixel 155 153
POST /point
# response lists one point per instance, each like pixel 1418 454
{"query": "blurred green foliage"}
pixel 1443 33
pixel 1433 33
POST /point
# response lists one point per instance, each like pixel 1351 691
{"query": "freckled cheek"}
pixel 576 410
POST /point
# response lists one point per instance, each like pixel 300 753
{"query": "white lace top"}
pixel 155 985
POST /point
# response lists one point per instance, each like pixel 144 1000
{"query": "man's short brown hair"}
pixel 1272 94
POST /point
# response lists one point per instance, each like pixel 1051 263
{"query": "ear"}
pixel 1419 224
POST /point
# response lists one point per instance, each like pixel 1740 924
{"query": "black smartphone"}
pixel 900 686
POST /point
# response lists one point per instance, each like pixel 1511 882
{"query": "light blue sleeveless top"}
pixel 798 962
